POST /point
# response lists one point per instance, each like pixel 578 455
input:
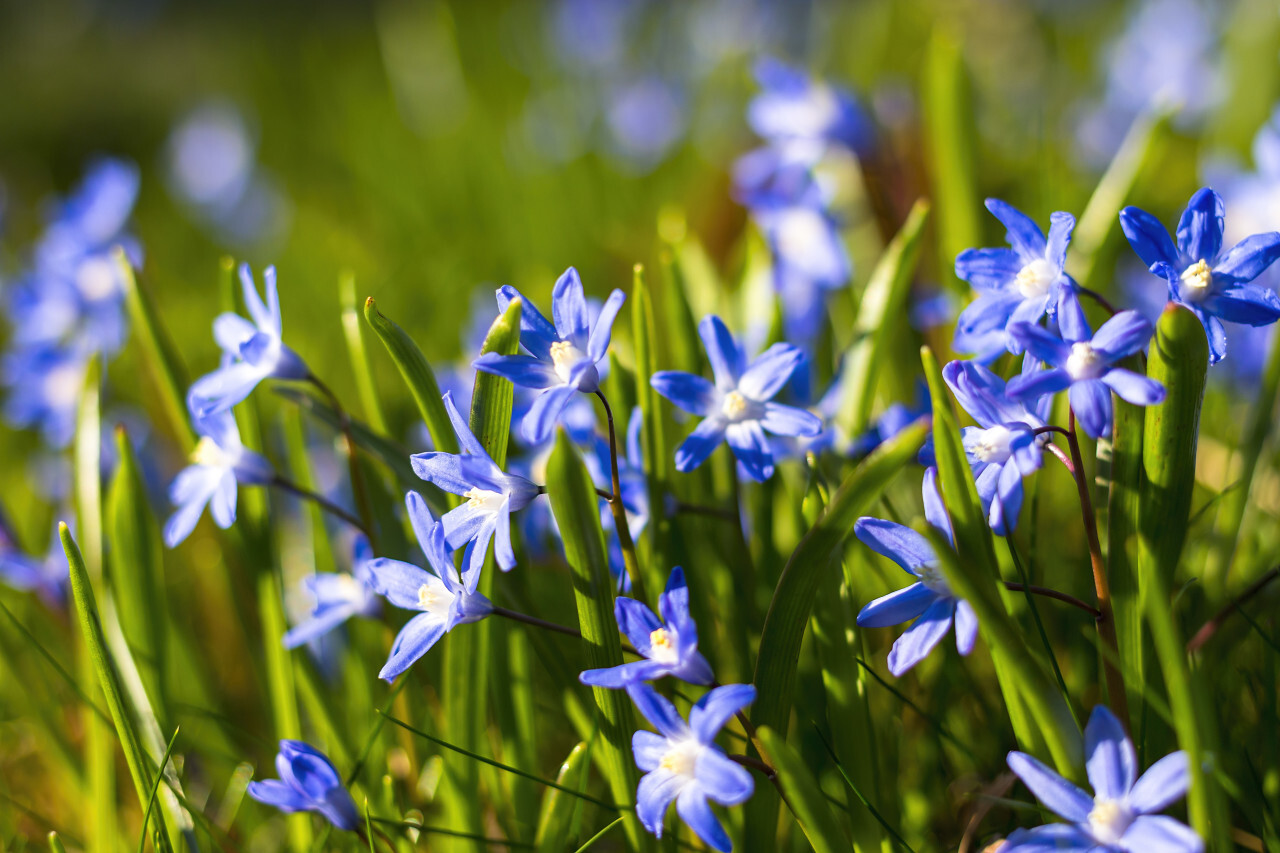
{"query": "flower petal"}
pixel 1033 386
pixel 1057 794
pixel 1050 838
pixel 545 411
pixel 723 780
pixel 921 638
pixel 690 392
pixel 397 581
pixel 693 809
pixel 1111 764
pixel 712 711
pixel 988 269
pixel 1061 225
pixel 1246 260
pixel 1091 401
pixel 1158 833
pixel 1244 303
pixel 1200 228
pixel 966 627
pixel 899 543
pixel 935 512
pixel 414 640
pixel 536 332
pixel 636 621
pixel 654 796
pixel 273 792
pixel 1024 235
pixel 1148 237
pixel 648 749
pixel 897 607
pixel 722 351
pixel 658 711
pixel 1134 387
pixel 1164 783
pixel 523 370
pixel 598 343
pixel 1041 343
pixel 752 449
pixel 789 420
pixel 1123 335
pixel 769 371
pixel 704 439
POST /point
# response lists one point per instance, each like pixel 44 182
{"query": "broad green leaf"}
pixel 975 577
pixel 159 354
pixel 91 630
pixel 467 659
pixel 950 140
pixel 555 820
pixel 417 374
pixel 575 506
pixel 802 794
pixel 883 300
pixel 358 352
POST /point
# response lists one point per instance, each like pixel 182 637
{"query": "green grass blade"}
pixel 653 434
pixel 576 509
pixel 802 794
pixel 555 819
pixel 151 800
pixel 358 353
pixel 467 659
pixel 91 630
pixel 950 142
pixel 159 354
pixel 591 842
pixel 976 578
pixel 390 453
pixel 883 300
pixel 417 374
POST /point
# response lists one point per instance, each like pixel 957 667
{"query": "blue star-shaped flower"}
pixel 683 763
pixel 445 600
pixel 1014 285
pixel 1212 283
pixel 218 463
pixel 251 352
pixel 308 783
pixel 793 108
pixel 1085 363
pixel 563 357
pixel 1121 816
pixel 338 597
pixel 809 259
pixel 669 645
pixel 491 493
pixel 930 597
pixel 737 408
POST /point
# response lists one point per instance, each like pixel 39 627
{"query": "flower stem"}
pixel 620 511
pixel 1105 619
pixel 320 501
pixel 1052 593
pixel 1211 627
pixel 358 490
pixel 517 616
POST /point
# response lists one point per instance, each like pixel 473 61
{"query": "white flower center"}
pixel 208 453
pixel 62 386
pixel 564 355
pixel 1196 281
pixel 96 278
pixel 1084 362
pixel 1035 279
pixel 734 405
pixel 993 445
pixel 933 579
pixel 434 596
pixel 484 499
pixel 1109 820
pixel 662 646
pixel 349 588
pixel 682 757
pixel 801 232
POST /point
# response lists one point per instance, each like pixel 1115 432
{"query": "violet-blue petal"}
pixel 1148 237
pixel 722 779
pixel 1057 794
pixel 751 448
pixel 1032 386
pixel 1123 335
pixel 1041 343
pixel 1249 304
pixel 636 621
pixel 1091 401
pixel 1050 838
pixel 1072 323
pixel 523 370
pixel 897 607
pixel 545 411
pixel 397 581
pixel 536 332
pixel 273 792
pixel 648 749
pixel 658 711
pixel 690 392
pixel 1111 764
pixel 700 444
pixel 693 809
pixel 441 469
pixel 620 676
pixel 712 711
pixel 1008 503
pixel 598 343
pixel 780 419
pixel 1134 387
pixel 654 795
pixel 988 269
pixel 1151 833
pixel 1023 234
pixel 769 371
pixel 1164 783
pixel 966 627
pixel 1200 228
pixel 921 638
pixel 906 547
pixel 1061 225
pixel 569 308
pixel 1247 260
pixel 722 351
pixel 414 640
pixel 935 512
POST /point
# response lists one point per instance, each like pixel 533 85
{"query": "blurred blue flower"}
pixel 930 597
pixel 832 437
pixel 737 408
pixel 218 463
pixel 47 576
pixel 646 118
pixel 894 419
pixel 1122 816
pixel 1015 285
pixel 794 108
pixel 308 783
pixel 809 259
pixel 338 597
pixel 1084 362
pixel 1213 284
pixel 45 383
pixel 563 357
pixel 669 645
pixel 683 763
pixel 251 352
pixel 444 599
pixel 1003 448
pixel 491 493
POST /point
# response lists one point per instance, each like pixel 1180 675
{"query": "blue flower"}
pixel 308 783
pixel 670 646
pixel 683 763
pixel 562 358
pixel 1003 448
pixel 45 383
pixel 1122 816
pixel 1014 285
pixel 251 352
pixel 736 408
pixel 46 576
pixel 1212 283
pixel 894 419
pixel 218 463
pixel 1084 363
pixel 338 597
pixel 794 108
pixel 930 598
pixel 809 259
pixel 491 493
pixel 445 600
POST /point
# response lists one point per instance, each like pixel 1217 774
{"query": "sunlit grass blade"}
pixel 159 354
pixel 554 820
pixel 591 842
pixel 576 508
pixel 358 353
pixel 653 434
pixel 388 452
pixel 468 665
pixel 883 300
pixel 975 577
pixel 949 118
pixel 151 800
pixel 91 631
pixel 802 794
pixel 280 682
pixel 518 721
pixel 417 374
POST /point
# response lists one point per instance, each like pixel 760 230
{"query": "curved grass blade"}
pixel 358 352
pixel 91 630
pixel 950 134
pixel 555 819
pixel 576 508
pixel 151 800
pixel 417 374
pixel 653 433
pixel 802 794
pixel 601 834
